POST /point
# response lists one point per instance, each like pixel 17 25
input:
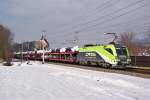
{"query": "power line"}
pixel 110 14
pixel 114 17
pixel 90 35
pixel 118 24
pixel 127 12
pixel 86 14
pixel 103 6
pixel 116 11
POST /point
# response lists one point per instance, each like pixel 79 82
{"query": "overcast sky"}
pixel 63 18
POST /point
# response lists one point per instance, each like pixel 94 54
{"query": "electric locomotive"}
pixel 109 55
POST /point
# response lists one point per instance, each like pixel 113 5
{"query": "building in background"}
pixel 25 46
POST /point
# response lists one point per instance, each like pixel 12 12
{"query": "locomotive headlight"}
pixel 114 60
pixel 128 60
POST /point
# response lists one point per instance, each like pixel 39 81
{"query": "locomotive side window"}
pixel 109 50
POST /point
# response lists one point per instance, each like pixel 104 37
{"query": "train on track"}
pixel 106 55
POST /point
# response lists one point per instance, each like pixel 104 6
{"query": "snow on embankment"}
pixel 55 82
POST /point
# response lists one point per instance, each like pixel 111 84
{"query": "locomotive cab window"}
pixel 121 51
pixel 109 50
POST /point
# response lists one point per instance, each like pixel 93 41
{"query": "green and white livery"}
pixel 110 55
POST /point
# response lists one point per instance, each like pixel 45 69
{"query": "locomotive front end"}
pixel 122 55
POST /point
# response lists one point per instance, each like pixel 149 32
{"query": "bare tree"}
pixel 6 38
pixel 127 39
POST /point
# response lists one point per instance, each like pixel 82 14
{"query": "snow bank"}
pixel 55 82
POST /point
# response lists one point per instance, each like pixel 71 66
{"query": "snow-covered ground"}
pixel 55 82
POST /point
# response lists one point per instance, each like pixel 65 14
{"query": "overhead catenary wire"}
pixel 108 15
pixel 112 13
pixel 121 24
pixel 83 36
pixel 101 7
pixel 118 16
pixel 134 25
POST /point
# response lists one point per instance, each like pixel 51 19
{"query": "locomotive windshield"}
pixel 121 51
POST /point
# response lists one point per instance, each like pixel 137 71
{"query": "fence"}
pixel 140 61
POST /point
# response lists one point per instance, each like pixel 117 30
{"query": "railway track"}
pixel 130 70
pixel 143 72
pixel 138 70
